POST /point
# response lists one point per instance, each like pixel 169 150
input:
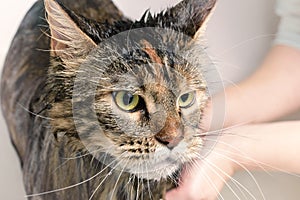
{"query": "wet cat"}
pixel 102 107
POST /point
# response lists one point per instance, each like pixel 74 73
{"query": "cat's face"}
pixel 147 99
pixel 151 114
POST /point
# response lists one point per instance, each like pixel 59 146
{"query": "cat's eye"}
pixel 186 100
pixel 126 101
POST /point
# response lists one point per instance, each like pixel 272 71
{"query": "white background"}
pixel 239 34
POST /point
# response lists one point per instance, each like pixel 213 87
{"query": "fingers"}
pixel 204 179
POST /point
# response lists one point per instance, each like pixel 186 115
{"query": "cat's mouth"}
pixel 151 160
pixel 164 163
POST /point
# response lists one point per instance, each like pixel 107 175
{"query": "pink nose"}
pixel 171 134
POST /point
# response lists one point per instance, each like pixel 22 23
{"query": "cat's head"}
pixel 132 92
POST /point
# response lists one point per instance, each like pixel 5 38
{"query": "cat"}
pixel 102 107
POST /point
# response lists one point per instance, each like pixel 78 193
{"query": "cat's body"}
pixel 56 147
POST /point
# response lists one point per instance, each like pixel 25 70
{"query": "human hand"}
pixel 272 146
pixel 204 178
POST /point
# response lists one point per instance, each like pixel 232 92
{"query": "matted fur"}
pixel 62 152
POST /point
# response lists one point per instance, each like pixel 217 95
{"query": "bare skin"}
pixel 271 92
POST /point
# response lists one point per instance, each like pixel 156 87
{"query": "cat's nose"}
pixel 171 134
pixel 169 142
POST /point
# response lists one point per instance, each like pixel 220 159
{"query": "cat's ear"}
pixel 67 39
pixel 189 16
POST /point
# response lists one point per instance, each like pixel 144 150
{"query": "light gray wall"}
pixel 239 34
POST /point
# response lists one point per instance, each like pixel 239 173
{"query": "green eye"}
pixel 186 100
pixel 126 101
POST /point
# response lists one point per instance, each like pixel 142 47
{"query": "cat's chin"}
pixel 164 166
pixel 161 172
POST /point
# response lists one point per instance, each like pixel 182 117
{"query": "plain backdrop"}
pixel 239 35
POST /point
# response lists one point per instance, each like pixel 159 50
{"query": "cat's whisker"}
pixel 229 64
pixel 235 182
pixel 142 180
pixel 131 189
pixel 87 154
pixel 143 186
pixel 233 84
pixel 43 19
pixel 260 164
pixel 94 158
pixel 240 164
pixel 43 30
pixel 81 156
pixel 102 159
pixel 246 170
pixel 244 42
pixel 44 50
pixel 35 114
pixel 205 176
pixel 212 166
pixel 221 130
pixel 237 152
pixel 206 134
pixel 148 182
pixel 101 150
pixel 120 174
pixel 58 167
pixel 138 184
pixel 71 186
pixel 113 168
pixel 100 184
pixel 173 177
pixel 45 33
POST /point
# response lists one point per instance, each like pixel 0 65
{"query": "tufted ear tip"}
pixel 189 16
pixel 66 36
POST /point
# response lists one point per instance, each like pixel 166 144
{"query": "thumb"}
pixel 203 179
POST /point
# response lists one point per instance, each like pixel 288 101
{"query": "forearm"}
pixel 271 92
pixel 272 146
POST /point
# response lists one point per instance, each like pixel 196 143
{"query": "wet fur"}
pixel 37 91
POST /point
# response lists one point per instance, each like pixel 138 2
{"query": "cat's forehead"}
pixel 163 76
pixel 139 60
